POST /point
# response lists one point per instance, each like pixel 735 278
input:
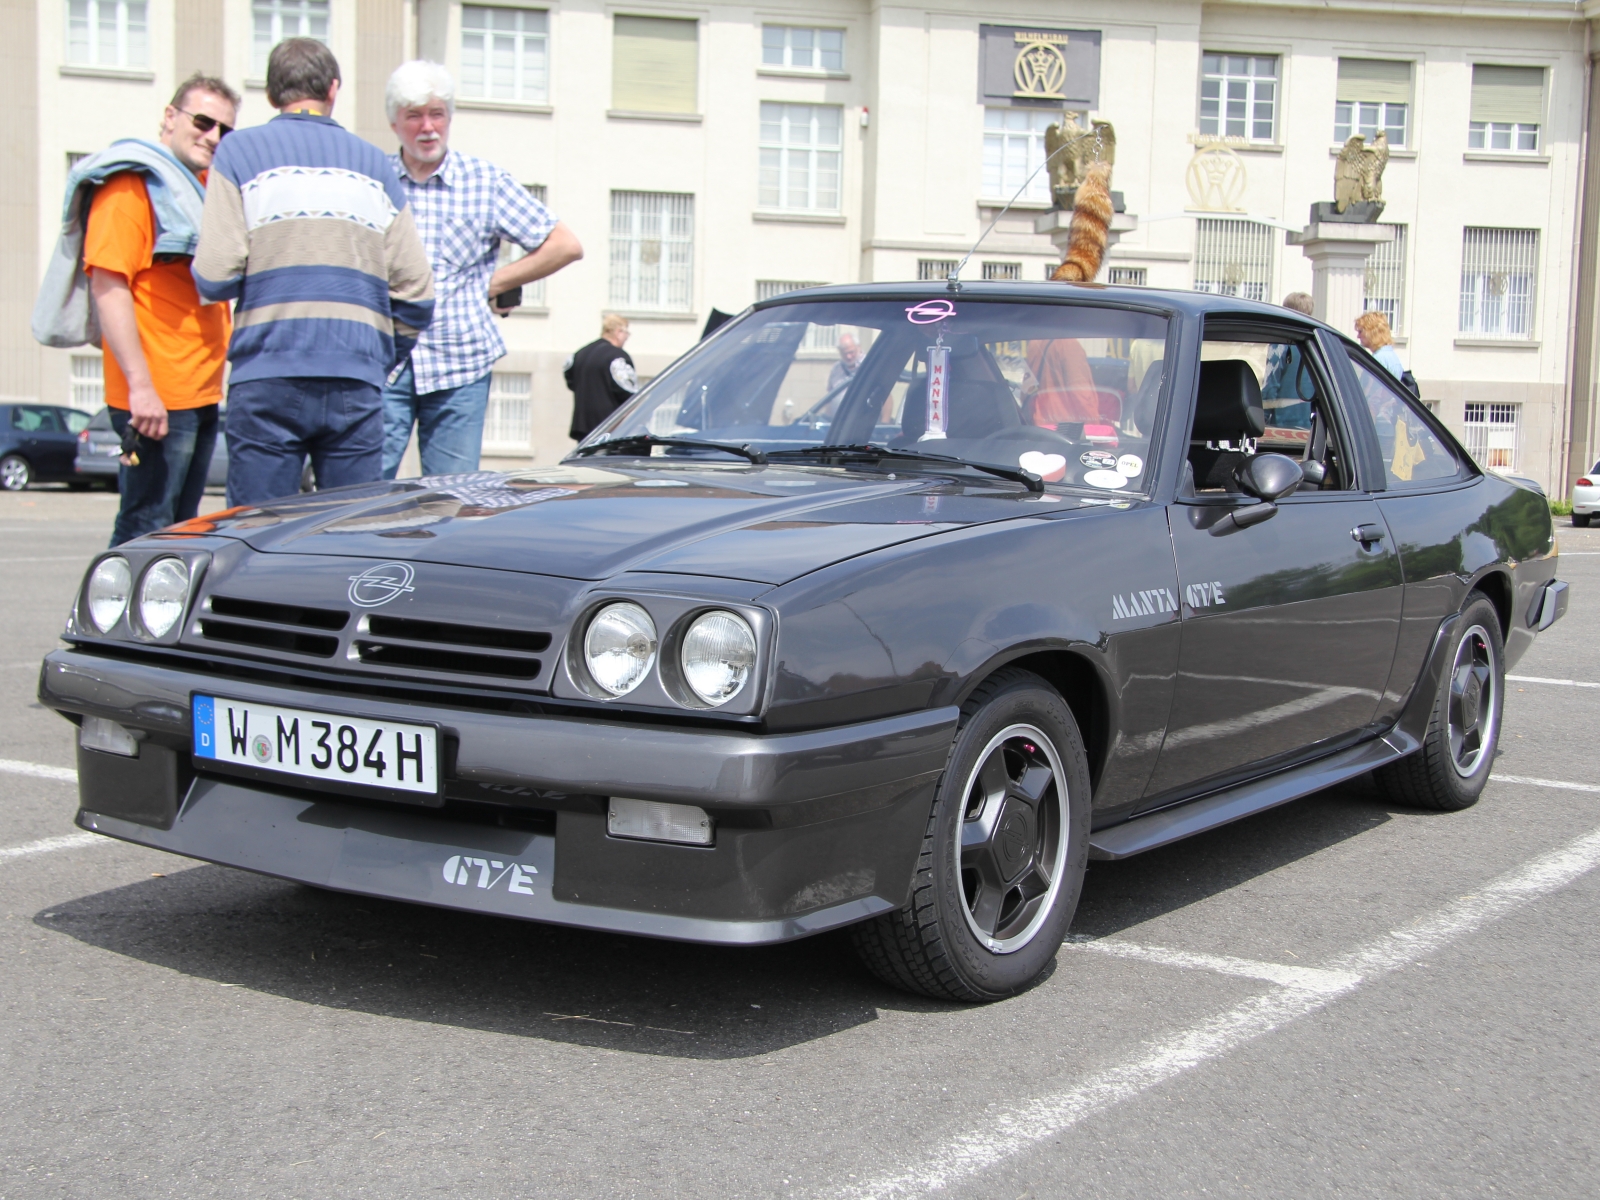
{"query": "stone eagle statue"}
pixel 1084 147
pixel 1358 175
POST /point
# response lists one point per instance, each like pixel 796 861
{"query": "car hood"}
pixel 767 524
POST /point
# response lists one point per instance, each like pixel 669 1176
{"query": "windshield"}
pixel 1068 392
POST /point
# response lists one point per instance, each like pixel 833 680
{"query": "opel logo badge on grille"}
pixel 381 584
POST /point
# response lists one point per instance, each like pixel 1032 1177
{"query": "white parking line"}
pixel 1310 979
pixel 1011 1133
pixel 1549 783
pixel 1542 679
pixel 67 841
pixel 38 770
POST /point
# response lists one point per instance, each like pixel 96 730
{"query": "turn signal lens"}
pixel 163 595
pixel 620 647
pixel 719 652
pixel 109 585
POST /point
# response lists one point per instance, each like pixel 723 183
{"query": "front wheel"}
pixel 15 473
pixel 1004 853
pixel 1451 768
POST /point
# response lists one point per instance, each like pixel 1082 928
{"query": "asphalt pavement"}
pixel 1337 998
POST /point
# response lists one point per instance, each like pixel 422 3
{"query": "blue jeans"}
pixel 273 424
pixel 449 424
pixel 167 484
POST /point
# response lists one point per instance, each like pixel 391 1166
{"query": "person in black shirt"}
pixel 601 377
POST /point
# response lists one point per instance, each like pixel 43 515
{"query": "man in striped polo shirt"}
pixel 307 228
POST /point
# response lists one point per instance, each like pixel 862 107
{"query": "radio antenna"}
pixel 953 280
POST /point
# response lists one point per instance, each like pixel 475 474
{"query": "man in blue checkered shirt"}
pixel 464 208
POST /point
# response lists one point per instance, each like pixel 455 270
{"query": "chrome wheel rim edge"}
pixel 1474 649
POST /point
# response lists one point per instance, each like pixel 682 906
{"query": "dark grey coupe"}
pixel 1058 572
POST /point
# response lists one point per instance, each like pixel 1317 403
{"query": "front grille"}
pixel 441 646
pixel 279 614
pixel 268 638
pixel 458 635
pixel 391 654
pixel 269 626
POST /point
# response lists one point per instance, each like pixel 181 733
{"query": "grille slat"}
pixel 458 662
pixel 268 638
pixel 279 614
pixel 412 630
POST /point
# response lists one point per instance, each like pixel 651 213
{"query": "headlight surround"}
pixel 110 585
pixel 619 647
pixel 163 595
pixel 718 656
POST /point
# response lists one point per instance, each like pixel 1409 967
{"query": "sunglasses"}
pixel 205 124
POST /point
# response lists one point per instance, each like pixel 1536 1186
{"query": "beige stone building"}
pixel 710 154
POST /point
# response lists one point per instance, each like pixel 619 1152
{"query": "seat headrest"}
pixel 1229 406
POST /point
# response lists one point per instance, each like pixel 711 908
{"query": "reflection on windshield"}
pixel 1067 391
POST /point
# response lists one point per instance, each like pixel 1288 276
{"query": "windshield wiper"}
pixel 867 450
pixel 650 439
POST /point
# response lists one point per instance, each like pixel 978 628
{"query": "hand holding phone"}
pixel 130 447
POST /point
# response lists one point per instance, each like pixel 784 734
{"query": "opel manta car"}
pixel 1056 573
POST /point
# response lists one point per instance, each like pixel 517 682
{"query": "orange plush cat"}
pixel 1091 219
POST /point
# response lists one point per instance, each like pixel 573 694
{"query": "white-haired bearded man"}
pixel 464 207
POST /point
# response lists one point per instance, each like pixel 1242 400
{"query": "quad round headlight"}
pixel 620 647
pixel 107 593
pixel 163 593
pixel 718 654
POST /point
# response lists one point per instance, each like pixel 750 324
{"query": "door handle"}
pixel 1367 533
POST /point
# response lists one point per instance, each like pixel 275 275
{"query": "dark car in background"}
pixel 99 448
pixel 1061 572
pixel 39 444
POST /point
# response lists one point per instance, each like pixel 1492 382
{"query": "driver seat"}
pixel 1227 409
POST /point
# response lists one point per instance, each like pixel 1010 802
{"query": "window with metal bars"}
pixel 1233 258
pixel 505 54
pixel 1386 279
pixel 652 251
pixel 1002 270
pixel 508 420
pixel 108 33
pixel 1132 276
pixel 274 20
pixel 1239 96
pixel 1492 434
pixel 1499 274
pixel 801 148
pixel 88 382
pixel 935 270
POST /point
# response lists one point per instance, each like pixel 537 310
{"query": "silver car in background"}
pixel 99 448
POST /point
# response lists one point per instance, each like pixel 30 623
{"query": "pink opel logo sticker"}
pixel 930 311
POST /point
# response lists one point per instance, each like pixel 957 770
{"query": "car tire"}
pixel 1580 520
pixel 991 927
pixel 1452 766
pixel 15 473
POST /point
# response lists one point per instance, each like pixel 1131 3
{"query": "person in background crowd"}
pixel 849 359
pixel 332 283
pixel 1372 328
pixel 464 208
pixel 601 377
pixel 1289 385
pixel 165 346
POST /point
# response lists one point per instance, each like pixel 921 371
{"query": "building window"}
pixel 108 33
pixel 505 54
pixel 1233 258
pixel 274 20
pixel 1507 106
pixel 1013 149
pixel 87 373
pixel 532 293
pixel 1492 434
pixel 1386 279
pixel 935 270
pixel 508 421
pixel 800 151
pixel 1374 96
pixel 655 65
pixel 802 49
pixel 1498 275
pixel 652 251
pixel 1003 271
pixel 1239 96
pixel 1130 276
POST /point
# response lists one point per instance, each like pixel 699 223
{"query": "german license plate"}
pixel 324 746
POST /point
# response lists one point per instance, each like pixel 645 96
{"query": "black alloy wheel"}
pixel 15 473
pixel 1003 857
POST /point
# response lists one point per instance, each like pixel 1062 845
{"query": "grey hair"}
pixel 416 82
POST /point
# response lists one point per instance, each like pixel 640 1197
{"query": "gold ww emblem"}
pixel 1040 70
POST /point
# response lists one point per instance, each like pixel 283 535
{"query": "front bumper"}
pixel 813 830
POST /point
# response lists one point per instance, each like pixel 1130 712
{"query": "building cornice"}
pixel 1529 10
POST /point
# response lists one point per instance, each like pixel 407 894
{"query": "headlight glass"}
pixel 162 596
pixel 109 585
pixel 620 647
pixel 719 652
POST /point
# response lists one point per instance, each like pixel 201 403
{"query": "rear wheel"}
pixel 1581 520
pixel 1451 768
pixel 1003 857
pixel 15 473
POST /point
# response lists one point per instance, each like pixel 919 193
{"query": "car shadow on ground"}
pixel 604 990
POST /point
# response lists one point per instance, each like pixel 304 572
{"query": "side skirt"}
pixel 1219 808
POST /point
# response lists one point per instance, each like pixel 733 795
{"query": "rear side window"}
pixel 34 420
pixel 1413 456
pixel 76 421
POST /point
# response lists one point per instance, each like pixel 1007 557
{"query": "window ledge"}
pixel 255 85
pixel 530 310
pixel 1256 147
pixel 107 73
pixel 1506 156
pixel 653 314
pixel 800 73
pixel 623 114
pixel 1019 206
pixel 502 105
pixel 1394 151
pixel 780 217
pixel 1473 343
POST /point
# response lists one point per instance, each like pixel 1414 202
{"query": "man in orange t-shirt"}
pixel 166 350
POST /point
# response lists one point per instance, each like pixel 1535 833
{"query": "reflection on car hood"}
pixel 767 524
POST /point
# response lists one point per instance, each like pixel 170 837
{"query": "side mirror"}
pixel 1269 477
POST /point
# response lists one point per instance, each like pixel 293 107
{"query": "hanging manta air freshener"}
pixel 938 390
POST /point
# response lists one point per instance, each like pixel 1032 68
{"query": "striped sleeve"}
pixel 410 282
pixel 219 259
